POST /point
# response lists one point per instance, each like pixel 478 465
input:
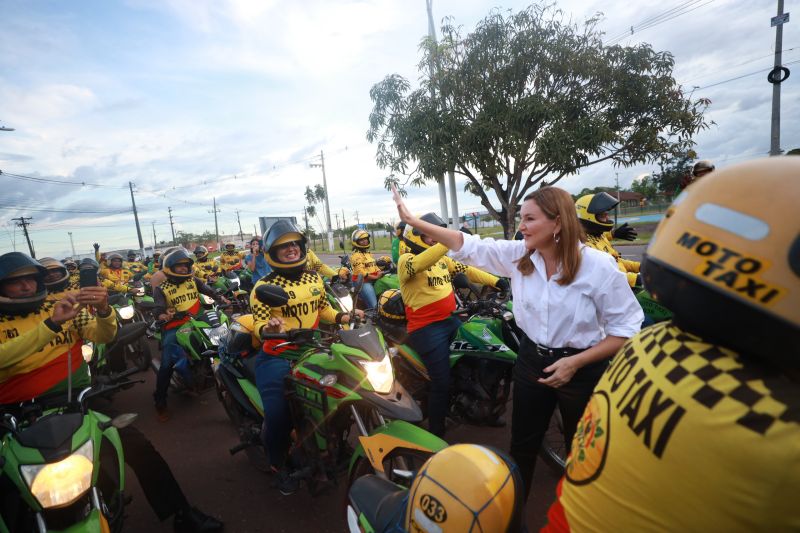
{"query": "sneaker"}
pixel 192 520
pixel 162 413
pixel 285 483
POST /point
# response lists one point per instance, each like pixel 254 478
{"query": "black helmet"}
pixel 282 232
pixel 131 253
pixel 171 260
pixel 413 237
pixel 201 252
pixel 70 264
pixel 591 205
pixel 52 264
pixel 15 265
pixel 702 167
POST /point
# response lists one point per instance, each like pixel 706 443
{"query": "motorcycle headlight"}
pixel 59 484
pixel 126 313
pixel 87 350
pixel 206 300
pixel 380 374
pixel 215 335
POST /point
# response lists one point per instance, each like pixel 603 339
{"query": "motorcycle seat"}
pixel 382 502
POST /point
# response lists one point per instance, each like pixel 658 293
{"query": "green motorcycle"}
pixel 341 381
pixel 50 458
pixel 199 337
pixel 482 357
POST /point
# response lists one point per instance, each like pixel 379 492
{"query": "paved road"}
pixel 195 443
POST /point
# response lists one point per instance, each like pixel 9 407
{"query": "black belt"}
pixel 553 353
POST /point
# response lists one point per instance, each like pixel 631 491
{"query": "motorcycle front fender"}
pixel 397 434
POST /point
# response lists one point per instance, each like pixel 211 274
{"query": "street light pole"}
pixel 72 244
pixel 775 134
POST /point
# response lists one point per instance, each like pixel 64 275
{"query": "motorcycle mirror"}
pixel 272 295
pixel 341 245
pixel 460 281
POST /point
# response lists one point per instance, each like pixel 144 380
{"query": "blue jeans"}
pixel 172 357
pixel 368 295
pixel 270 371
pixel 432 343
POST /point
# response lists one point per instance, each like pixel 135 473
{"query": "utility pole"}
pixel 23 223
pixel 358 221
pixel 155 240
pixel 171 225
pixel 72 244
pixel 216 227
pixel 327 205
pixel 241 235
pixel 136 218
pixel 344 228
pixel 776 77
pixel 616 207
pixel 341 240
pixel 255 231
pixel 432 72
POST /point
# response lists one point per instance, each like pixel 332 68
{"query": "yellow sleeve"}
pixel 475 275
pixel 314 263
pixel 326 312
pixel 630 266
pixel 410 264
pixel 261 312
pixel 631 278
pixel 114 286
pixel 96 328
pixel 17 349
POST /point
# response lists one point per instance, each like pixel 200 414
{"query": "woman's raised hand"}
pixel 402 210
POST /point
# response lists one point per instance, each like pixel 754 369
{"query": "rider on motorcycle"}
pixel 115 277
pixel 362 263
pixel 307 305
pixel 425 273
pixel 135 267
pixel 38 336
pixel 397 242
pixel 57 278
pixel 593 212
pixel 179 293
pixel 230 258
pixel 204 267
pixel 74 274
pixel 696 423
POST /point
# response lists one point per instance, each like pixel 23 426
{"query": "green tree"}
pixel 525 98
pixel 673 171
pixel 646 186
pixel 795 151
pixel 313 197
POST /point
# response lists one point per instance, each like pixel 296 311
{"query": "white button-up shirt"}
pixel 597 303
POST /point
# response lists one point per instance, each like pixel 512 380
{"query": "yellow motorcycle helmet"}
pixel 358 235
pixel 590 206
pixel 413 238
pixel 466 487
pixel 172 259
pixel 391 306
pixel 726 259
pixel 230 246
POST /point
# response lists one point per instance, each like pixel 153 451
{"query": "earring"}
pixel 556 237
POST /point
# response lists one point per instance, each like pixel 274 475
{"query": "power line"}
pixel 55 210
pixel 746 75
pixel 731 67
pixel 666 16
pixel 59 182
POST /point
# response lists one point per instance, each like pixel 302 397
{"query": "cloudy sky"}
pixel 181 96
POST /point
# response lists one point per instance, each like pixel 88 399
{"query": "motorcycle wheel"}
pixel 142 356
pixel 553 450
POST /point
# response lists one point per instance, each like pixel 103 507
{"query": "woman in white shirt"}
pixel 573 304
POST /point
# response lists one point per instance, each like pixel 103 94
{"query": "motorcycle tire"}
pixel 142 358
pixel 553 449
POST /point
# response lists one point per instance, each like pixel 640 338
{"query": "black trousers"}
pixel 534 403
pixel 160 487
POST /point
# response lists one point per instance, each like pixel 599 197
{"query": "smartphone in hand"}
pixel 88 276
